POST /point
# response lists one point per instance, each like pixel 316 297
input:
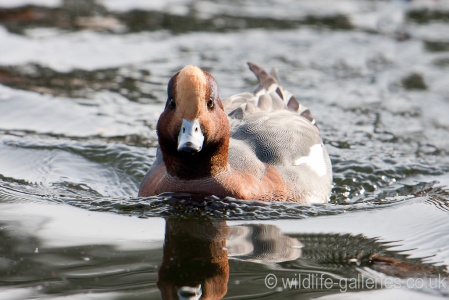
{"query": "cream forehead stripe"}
pixel 191 87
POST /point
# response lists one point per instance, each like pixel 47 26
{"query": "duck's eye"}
pixel 171 103
pixel 210 103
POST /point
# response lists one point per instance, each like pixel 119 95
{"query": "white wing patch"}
pixel 315 160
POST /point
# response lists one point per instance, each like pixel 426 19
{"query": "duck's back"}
pixel 270 127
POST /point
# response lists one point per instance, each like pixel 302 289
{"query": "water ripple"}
pixel 190 206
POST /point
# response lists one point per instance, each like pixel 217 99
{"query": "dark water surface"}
pixel 82 83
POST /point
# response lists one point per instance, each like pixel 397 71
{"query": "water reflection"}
pixel 197 255
pixel 61 250
pixel 194 256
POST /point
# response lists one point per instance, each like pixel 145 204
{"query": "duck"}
pixel 262 145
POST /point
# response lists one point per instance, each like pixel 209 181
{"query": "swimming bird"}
pixel 262 145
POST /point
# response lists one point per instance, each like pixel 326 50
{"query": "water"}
pixel 82 84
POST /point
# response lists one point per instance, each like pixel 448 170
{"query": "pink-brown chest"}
pixel 237 184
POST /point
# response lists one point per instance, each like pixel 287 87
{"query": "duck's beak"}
pixel 187 292
pixel 190 138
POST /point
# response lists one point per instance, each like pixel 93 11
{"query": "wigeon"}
pixel 253 146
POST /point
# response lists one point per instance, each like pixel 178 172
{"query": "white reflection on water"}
pixel 56 225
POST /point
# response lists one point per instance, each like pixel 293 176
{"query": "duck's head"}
pixel 193 130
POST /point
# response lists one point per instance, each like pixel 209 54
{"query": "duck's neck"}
pixel 209 162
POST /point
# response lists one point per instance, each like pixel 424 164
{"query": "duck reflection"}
pixel 201 260
pixel 195 262
pixel 196 256
pixel 262 243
